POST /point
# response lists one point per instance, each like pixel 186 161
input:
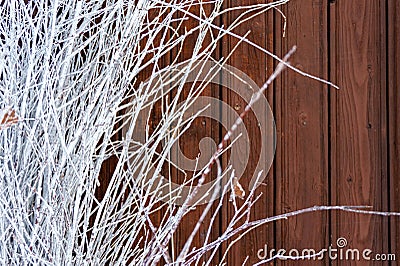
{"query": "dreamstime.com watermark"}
pixel 340 252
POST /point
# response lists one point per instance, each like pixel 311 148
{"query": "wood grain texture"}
pixel 302 123
pixel 190 144
pixel 333 147
pixel 256 65
pixel 359 126
pixel 394 121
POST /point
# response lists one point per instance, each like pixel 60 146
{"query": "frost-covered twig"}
pixel 68 86
pixel 70 98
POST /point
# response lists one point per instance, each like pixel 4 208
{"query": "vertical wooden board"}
pixel 190 144
pixel 253 63
pixel 394 120
pixel 359 129
pixel 302 131
pixel 150 118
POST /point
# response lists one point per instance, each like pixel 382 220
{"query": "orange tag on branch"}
pixel 238 190
pixel 8 118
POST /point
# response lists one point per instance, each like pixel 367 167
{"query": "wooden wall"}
pixel 334 147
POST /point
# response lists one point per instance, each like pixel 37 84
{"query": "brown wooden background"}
pixel 334 147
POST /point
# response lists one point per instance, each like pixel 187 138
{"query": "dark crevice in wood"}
pixel 329 70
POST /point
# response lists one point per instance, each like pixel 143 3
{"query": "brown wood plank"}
pixel 156 114
pixel 257 66
pixel 189 144
pixel 394 120
pixel 359 129
pixel 302 128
